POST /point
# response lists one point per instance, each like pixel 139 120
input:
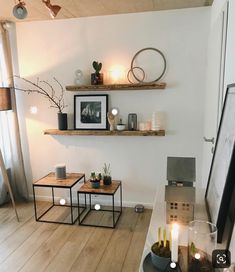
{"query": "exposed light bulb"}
pixel 173 265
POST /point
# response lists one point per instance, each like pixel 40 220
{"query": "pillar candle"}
pixel 174 243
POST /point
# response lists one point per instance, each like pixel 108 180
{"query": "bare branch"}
pixel 55 101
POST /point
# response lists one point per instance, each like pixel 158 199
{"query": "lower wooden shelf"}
pixel 104 132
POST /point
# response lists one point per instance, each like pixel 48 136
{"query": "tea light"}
pixel 116 74
pixel 148 125
pixel 141 126
pixel 174 243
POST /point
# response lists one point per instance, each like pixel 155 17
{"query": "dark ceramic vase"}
pixel 95 184
pixel 159 262
pixel 96 79
pixel 62 121
pixel 107 180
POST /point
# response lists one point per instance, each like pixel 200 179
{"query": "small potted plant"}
pixel 95 180
pixel 160 251
pixel 120 125
pixel 97 77
pixel 107 179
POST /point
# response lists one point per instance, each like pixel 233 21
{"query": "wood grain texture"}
pixel 94 248
pixel 132 260
pixel 33 246
pixel 49 249
pixel 104 132
pixel 84 8
pixel 67 255
pixel 117 87
pixel 50 180
pixel 104 189
pixel 119 243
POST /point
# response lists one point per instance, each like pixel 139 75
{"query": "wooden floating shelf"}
pixel 104 132
pixel 117 87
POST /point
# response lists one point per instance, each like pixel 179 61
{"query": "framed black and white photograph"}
pixel 221 185
pixel 90 111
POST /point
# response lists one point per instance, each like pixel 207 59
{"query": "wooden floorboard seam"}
pixel 63 249
pixel 104 251
pixel 25 223
pixel 129 243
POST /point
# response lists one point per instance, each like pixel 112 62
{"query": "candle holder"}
pixel 201 243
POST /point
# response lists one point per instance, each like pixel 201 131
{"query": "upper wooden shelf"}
pixel 104 132
pixel 117 87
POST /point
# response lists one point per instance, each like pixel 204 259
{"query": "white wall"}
pixel 57 48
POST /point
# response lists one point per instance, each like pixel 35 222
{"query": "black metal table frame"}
pixel 53 202
pixel 80 221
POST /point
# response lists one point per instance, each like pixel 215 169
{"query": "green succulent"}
pixel 97 66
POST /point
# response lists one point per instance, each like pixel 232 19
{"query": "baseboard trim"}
pixel 130 204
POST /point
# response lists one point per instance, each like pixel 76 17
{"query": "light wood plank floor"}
pixel 30 246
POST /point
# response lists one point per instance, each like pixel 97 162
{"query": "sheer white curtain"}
pixel 9 128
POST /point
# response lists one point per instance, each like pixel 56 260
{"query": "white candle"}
pixel 174 243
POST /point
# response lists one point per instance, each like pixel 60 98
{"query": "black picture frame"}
pixel 221 180
pixel 90 112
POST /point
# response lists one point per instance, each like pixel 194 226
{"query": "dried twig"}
pixel 48 92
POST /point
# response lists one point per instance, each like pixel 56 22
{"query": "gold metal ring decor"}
pixel 130 72
pixel 133 67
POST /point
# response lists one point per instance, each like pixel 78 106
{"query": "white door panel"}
pixel 215 88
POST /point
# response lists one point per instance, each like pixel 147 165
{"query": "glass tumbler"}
pixel 202 240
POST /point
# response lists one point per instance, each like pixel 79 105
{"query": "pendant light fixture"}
pixel 53 9
pixel 19 10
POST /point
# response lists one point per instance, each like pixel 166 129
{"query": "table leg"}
pixel 90 201
pixel 53 197
pixel 71 205
pixel 121 196
pixel 78 209
pixel 34 202
pixel 113 212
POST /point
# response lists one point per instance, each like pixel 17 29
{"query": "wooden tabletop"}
pixel 104 189
pixel 50 180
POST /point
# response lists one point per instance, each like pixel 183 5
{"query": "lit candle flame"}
pixel 116 74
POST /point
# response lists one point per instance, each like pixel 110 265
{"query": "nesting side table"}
pixel 50 181
pixel 107 190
